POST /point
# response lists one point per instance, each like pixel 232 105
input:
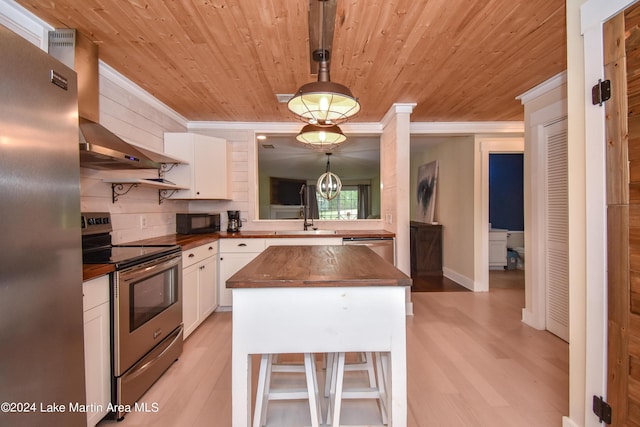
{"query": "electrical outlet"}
pixel 143 221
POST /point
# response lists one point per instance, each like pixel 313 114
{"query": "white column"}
pixel 395 181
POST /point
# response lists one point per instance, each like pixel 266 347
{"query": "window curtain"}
pixel 364 201
pixel 314 213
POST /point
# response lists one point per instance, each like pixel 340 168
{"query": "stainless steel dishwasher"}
pixel 383 246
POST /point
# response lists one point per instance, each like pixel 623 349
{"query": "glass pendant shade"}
pixel 321 138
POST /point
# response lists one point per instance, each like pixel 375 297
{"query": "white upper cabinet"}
pixel 208 174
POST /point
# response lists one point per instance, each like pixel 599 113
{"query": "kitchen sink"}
pixel 304 232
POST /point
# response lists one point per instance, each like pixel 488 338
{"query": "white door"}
pixel 557 230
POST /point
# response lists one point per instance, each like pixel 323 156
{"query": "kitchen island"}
pixel 318 299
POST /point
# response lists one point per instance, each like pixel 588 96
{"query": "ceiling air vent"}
pixel 283 98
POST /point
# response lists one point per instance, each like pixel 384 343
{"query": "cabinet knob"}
pixel 210 248
pixel 191 255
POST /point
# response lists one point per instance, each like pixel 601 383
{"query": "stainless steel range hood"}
pixel 102 149
pixel 99 147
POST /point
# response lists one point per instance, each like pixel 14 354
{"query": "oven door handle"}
pixel 141 272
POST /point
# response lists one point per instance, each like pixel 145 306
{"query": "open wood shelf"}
pixel 119 187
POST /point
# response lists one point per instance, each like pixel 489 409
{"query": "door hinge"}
pixel 602 409
pixel 601 92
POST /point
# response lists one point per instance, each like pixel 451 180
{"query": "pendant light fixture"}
pixel 323 103
pixel 320 138
pixel 329 184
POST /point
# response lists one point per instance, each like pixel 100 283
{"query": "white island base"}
pixel 318 320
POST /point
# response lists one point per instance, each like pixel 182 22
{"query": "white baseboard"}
pixel 458 278
pixel 528 318
pixel 567 422
pixel 409 308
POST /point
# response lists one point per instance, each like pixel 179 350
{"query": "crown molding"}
pixel 554 82
pixel 24 23
pixel 427 128
pixel 130 87
pixel 280 127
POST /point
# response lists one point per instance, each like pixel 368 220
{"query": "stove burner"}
pixel 97 247
pixel 126 256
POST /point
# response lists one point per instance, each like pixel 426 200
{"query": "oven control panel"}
pixel 96 222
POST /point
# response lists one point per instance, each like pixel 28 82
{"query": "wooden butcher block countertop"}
pixel 190 241
pixel 319 266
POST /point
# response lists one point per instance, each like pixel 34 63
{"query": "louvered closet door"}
pixel 557 230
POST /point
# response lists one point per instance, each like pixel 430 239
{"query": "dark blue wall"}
pixel 506 191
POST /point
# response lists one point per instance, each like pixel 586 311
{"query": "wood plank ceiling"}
pixel 225 60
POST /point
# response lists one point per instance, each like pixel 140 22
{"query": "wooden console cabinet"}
pixel 426 249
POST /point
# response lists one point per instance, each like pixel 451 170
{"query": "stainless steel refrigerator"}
pixel 41 326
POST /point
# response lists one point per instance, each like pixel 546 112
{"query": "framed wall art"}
pixel 426 191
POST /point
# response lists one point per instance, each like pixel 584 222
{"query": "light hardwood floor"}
pixel 471 362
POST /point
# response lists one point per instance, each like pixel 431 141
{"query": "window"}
pixel 345 206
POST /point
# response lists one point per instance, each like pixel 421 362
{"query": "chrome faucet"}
pixel 304 204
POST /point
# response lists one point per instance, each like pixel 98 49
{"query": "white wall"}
pixel 454 202
pixel 138 118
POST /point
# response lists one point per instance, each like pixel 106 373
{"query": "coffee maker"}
pixel 234 222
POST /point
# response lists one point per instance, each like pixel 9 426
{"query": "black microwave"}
pixel 197 223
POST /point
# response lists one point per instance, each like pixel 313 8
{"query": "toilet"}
pixel 520 252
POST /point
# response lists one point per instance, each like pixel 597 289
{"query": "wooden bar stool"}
pixel 264 393
pixel 364 364
pixel 377 384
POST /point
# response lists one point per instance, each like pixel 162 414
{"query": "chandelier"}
pixel 329 184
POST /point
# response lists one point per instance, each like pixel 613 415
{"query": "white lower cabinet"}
pixel 97 349
pixel 199 286
pixel 208 295
pixel 235 254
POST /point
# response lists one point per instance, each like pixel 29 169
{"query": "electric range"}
pixel 146 308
